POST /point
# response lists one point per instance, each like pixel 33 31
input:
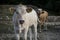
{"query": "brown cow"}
pixel 42 17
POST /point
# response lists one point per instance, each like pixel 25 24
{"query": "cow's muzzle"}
pixel 21 21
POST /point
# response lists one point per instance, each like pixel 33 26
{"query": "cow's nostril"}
pixel 21 21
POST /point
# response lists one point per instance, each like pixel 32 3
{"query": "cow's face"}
pixel 39 12
pixel 21 10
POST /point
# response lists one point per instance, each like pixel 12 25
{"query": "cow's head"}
pixel 20 11
pixel 39 12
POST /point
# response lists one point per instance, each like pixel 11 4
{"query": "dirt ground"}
pixel 50 34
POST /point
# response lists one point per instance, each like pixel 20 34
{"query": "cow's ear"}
pixel 12 9
pixel 29 9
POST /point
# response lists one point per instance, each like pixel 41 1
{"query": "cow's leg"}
pixel 17 34
pixel 30 31
pixel 35 27
pixel 26 31
pixel 45 26
pixel 40 27
pixel 46 21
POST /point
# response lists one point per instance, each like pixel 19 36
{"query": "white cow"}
pixel 23 18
